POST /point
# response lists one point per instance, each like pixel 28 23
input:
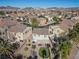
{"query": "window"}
pixel 52 29
pixel 44 35
pixel 0 33
pixel 33 42
pixel 21 40
pixel 48 45
pixel 14 38
pixel 51 32
pixel 29 40
pixel 26 32
pixel 39 44
pixel 34 46
pixel 34 34
pixel 28 44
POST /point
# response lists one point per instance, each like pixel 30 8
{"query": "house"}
pixel 55 30
pixel 61 28
pixel 42 21
pixel 4 25
pixel 40 36
pixel 19 32
pixel 75 19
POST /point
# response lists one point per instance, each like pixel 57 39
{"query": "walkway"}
pixel 74 52
pixel 77 55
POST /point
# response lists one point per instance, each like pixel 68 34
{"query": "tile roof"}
pixel 41 31
pixel 17 28
pixel 66 24
pixel 12 25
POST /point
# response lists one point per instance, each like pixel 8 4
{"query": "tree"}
pixel 19 56
pixel 44 52
pixel 6 51
pixel 76 27
pixel 15 45
pixel 15 12
pixel 56 19
pixel 2 13
pixel 35 22
pixel 74 33
pixel 64 49
pixel 8 12
pixel 62 46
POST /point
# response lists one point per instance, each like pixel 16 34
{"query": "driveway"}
pixel 77 55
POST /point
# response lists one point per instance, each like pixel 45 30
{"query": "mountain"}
pixel 8 7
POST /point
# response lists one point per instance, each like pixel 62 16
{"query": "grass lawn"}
pixel 44 52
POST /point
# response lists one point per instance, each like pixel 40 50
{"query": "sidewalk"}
pixel 73 52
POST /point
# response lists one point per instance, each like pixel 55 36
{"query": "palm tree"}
pixel 43 54
pixel 5 50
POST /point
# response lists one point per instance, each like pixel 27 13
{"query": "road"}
pixel 39 26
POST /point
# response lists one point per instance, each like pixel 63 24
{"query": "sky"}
pixel 40 3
